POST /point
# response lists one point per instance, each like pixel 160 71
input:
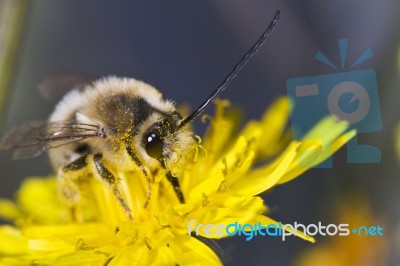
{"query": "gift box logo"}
pixel 351 96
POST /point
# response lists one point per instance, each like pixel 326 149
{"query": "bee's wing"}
pixel 54 86
pixel 31 139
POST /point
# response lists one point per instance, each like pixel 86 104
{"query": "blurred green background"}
pixel 185 48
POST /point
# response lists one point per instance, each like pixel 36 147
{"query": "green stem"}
pixel 12 18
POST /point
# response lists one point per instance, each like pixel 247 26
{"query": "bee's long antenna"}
pixel 225 83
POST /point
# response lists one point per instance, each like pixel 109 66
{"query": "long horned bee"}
pixel 112 124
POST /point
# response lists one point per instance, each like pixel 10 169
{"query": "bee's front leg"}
pixel 104 175
pixel 68 177
pixel 177 188
pixel 144 170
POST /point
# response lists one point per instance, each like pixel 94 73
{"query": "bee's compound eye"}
pixel 153 145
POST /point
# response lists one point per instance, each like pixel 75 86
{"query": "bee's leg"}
pixel 177 188
pixel 68 187
pixel 139 164
pixel 109 179
pixel 174 182
pixel 150 188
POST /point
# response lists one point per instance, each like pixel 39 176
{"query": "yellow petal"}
pixel 127 257
pixel 190 251
pixel 87 258
pixel 83 230
pixel 273 126
pixel 232 161
pixel 242 211
pixel 264 178
pixel 12 242
pixel 9 210
pixel 38 198
pixel 326 130
pixel 313 158
pixel 164 256
pixel 26 260
pixel 221 129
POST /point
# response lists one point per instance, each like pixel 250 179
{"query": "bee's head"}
pixel 137 121
pixel 161 140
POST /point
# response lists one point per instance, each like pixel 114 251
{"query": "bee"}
pixel 105 125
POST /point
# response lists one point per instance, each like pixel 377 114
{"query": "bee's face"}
pixel 162 141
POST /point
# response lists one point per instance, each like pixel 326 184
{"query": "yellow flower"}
pixel 220 186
